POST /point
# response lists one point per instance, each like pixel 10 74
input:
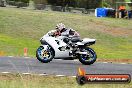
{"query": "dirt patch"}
pixel 118 31
pixel 114 31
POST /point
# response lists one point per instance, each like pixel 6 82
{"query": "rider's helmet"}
pixel 60 26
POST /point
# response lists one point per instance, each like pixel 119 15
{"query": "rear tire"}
pixel 88 59
pixel 42 57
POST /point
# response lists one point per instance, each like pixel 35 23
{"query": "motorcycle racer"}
pixel 65 43
pixel 61 30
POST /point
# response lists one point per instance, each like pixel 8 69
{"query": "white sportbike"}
pixel 66 47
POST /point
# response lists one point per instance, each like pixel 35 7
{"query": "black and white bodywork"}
pixel 65 47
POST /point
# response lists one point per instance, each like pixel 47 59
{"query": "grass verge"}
pixel 35 81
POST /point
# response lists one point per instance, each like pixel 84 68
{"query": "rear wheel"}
pixel 45 55
pixel 88 59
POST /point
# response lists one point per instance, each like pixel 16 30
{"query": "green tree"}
pixel 25 1
pixel 40 1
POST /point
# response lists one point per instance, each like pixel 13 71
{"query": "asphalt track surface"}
pixel 60 67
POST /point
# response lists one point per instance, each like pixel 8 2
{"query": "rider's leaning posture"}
pixel 61 30
pixel 65 43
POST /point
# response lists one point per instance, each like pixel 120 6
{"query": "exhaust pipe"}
pixel 82 53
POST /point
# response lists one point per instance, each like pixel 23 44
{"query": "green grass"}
pixel 15 46
pixel 34 81
pixel 21 28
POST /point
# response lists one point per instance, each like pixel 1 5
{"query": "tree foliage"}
pixel 40 1
pixel 25 1
pixel 72 3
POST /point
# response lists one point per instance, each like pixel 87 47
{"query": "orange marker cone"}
pixel 25 51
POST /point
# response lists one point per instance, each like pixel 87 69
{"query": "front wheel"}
pixel 89 58
pixel 45 54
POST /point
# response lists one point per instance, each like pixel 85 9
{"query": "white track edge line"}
pixel 5 72
pixel 26 73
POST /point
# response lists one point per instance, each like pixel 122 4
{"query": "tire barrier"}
pixel 18 4
pixel 39 6
pixel 57 8
pixel 2 3
pixel 48 7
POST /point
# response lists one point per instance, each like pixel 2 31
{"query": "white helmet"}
pixel 60 26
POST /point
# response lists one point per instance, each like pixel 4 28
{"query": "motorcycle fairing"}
pixel 56 44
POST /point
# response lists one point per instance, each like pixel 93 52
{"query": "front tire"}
pixel 88 59
pixel 45 55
